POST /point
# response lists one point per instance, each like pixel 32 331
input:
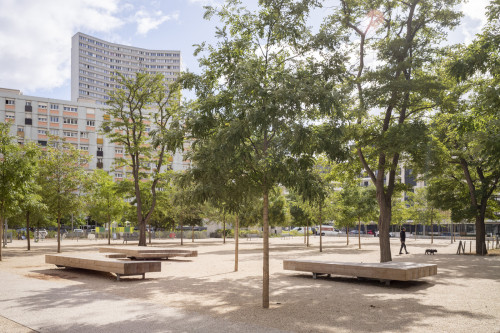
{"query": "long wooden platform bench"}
pixel 148 252
pixel 103 263
pixel 385 272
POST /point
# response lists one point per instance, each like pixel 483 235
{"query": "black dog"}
pixel 430 251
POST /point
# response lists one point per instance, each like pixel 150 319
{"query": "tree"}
pixel 424 212
pixel 466 131
pixel 31 198
pixel 17 167
pixel 104 201
pixel 144 118
pixel 388 99
pixel 62 176
pixel 355 204
pixel 255 92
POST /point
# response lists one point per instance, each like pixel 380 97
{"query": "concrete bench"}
pixel 103 263
pixel 148 252
pixel 385 272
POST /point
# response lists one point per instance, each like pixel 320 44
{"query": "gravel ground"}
pixel 463 297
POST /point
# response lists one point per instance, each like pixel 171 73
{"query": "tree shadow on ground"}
pixel 332 303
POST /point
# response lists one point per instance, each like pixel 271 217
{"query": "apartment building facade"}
pixel 79 123
pixel 94 61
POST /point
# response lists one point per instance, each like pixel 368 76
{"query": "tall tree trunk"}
pixel 1 235
pixel 320 229
pixel 182 232
pixel 28 229
pixel 109 230
pixel 58 233
pixel 451 232
pixel 192 234
pixel 265 279
pixel 347 234
pixel 307 233
pixel 384 222
pixel 140 219
pixel 432 233
pixel 224 230
pixel 236 239
pixel 150 235
pixel 481 233
pixel 359 233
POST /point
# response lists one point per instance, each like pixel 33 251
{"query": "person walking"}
pixel 402 238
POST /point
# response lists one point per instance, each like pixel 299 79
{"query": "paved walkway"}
pixel 47 306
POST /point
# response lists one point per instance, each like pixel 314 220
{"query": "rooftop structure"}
pixel 94 62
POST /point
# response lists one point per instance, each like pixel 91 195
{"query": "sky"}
pixel 35 35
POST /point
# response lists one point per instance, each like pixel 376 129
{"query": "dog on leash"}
pixel 430 251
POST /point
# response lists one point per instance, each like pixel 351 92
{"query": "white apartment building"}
pixel 79 123
pixel 93 62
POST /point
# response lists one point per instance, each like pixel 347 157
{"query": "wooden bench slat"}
pixel 99 262
pixel 401 271
pixel 150 252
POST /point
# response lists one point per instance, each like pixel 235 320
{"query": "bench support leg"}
pixel 315 276
pixel 117 277
pixel 387 282
pixel 143 276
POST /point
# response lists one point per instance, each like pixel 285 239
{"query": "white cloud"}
pixel 35 38
pixel 207 2
pixel 147 21
pixel 474 10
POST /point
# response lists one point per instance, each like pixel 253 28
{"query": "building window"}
pixel 28 103
pixel 70 109
pixel 118 150
pixel 72 121
pixel 54 119
pixel 42 106
pixel 69 134
pixel 42 118
pixel 54 132
pixel 118 175
pixel 20 128
pixel 84 148
pixel 90 111
pixel 84 135
pixel 54 106
pixel 42 131
pixel 10 102
pixel 10 115
pixel 91 123
pixel 99 148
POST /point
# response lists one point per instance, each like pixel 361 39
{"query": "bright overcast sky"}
pixel 35 35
